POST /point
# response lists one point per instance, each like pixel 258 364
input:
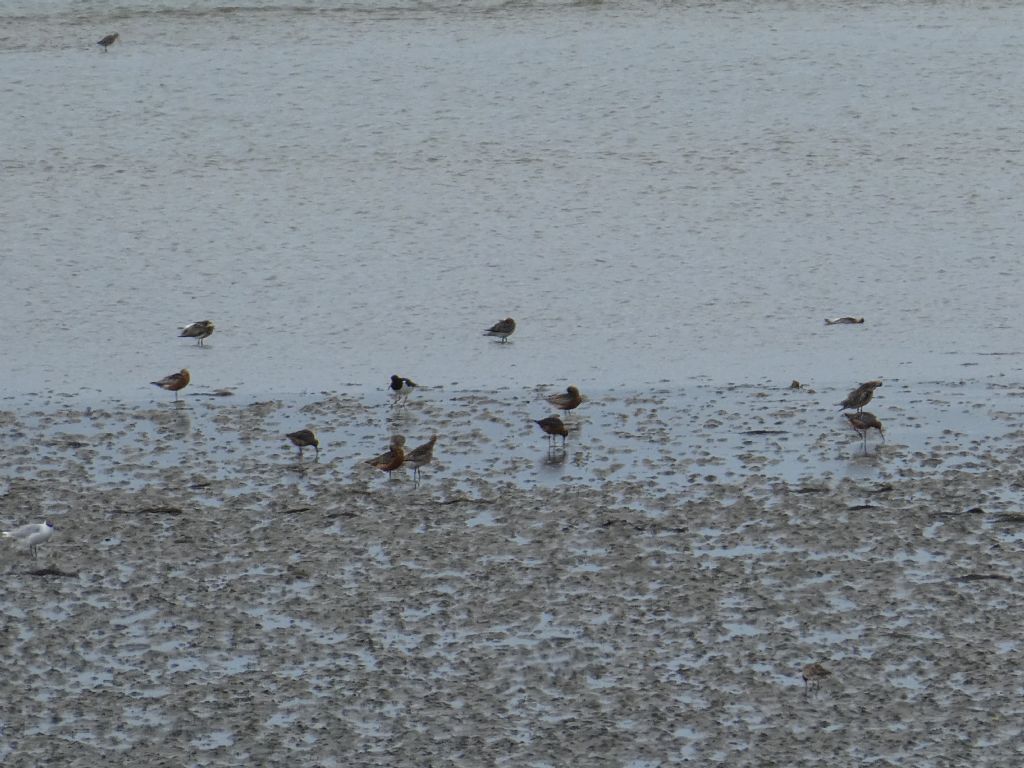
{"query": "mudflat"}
pixel 647 597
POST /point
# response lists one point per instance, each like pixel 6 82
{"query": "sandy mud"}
pixel 646 597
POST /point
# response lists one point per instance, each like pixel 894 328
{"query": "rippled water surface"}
pixel 652 191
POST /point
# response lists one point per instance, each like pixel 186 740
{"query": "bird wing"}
pixel 23 532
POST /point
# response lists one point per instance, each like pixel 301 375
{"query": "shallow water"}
pixel 653 191
pixel 643 447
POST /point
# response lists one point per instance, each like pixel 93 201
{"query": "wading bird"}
pixel 174 382
pixel 31 535
pixel 862 421
pixel 391 459
pixel 566 401
pixel 304 438
pixel 813 674
pixel 503 329
pixel 861 396
pixel 553 426
pixel 420 456
pixel 401 387
pixel 198 331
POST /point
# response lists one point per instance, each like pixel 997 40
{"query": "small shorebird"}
pixel 174 381
pixel 401 386
pixel 567 400
pixel 861 396
pixel 198 331
pixel 862 421
pixel 420 456
pixel 552 426
pixel 813 674
pixel 108 41
pixel 846 320
pixel 392 459
pixel 502 328
pixel 31 535
pixel 304 438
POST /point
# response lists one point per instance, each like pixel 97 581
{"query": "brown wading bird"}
pixel 552 426
pixel 304 438
pixel 861 396
pixel 567 400
pixel 392 459
pixel 198 331
pixel 862 421
pixel 502 328
pixel 108 41
pixel 813 674
pixel 420 456
pixel 174 381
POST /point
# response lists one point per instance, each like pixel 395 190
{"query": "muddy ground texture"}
pixel 646 597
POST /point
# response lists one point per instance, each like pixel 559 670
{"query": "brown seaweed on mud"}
pixel 159 510
pixel 1009 517
pixel 50 571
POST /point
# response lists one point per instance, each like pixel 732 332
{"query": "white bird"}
pixel 31 535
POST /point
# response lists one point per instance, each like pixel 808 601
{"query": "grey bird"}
pixel 502 329
pixel 420 456
pixel 200 330
pixel 861 396
pixel 813 674
pixel 108 41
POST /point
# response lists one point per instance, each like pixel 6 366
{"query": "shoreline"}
pixel 673 437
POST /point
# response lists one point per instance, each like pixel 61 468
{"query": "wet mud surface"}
pixel 646 597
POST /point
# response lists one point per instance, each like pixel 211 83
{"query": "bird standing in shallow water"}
pixel 861 396
pixel 304 438
pixel 553 426
pixel 566 401
pixel 862 421
pixel 108 41
pixel 813 674
pixel 420 456
pixel 401 387
pixel 31 535
pixel 392 459
pixel 174 382
pixel 198 331
pixel 502 328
